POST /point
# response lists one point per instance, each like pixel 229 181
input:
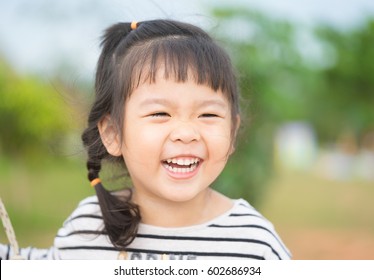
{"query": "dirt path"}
pixel 327 244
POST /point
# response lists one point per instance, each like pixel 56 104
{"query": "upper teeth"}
pixel 180 161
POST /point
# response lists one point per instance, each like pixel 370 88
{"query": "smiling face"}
pixel 173 116
pixel 176 139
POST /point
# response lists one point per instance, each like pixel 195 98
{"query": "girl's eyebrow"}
pixel 167 102
pixel 151 101
pixel 213 102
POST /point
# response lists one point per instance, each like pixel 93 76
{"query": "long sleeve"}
pixel 29 253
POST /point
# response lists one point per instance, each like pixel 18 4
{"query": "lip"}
pixel 185 172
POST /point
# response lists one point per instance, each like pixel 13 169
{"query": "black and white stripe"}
pixel 241 233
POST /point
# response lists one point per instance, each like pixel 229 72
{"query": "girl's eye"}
pixel 207 115
pixel 159 115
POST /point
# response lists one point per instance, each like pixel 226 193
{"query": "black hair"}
pixel 129 58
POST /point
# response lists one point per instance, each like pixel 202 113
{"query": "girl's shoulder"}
pixel 249 224
pixel 89 200
pixel 86 216
pixel 242 208
pixel 88 206
pixel 91 203
pixel 243 216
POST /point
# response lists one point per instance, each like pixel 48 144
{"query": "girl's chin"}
pixel 181 193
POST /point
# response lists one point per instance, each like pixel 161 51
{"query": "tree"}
pixel 269 67
pixel 279 84
pixel 32 115
pixel 347 96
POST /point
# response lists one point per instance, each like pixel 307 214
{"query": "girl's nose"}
pixel 184 132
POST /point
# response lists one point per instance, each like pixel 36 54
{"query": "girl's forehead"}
pixel 171 84
pixel 169 90
pixel 166 78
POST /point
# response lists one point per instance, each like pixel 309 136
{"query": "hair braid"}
pixel 120 216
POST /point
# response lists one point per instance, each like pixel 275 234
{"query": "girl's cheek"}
pixel 218 142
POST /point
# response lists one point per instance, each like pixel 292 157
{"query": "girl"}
pixel 166 109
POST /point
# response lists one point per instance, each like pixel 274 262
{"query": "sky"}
pixel 45 36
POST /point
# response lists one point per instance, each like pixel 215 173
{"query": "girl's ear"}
pixel 232 148
pixel 110 136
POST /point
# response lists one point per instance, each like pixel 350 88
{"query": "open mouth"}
pixel 181 165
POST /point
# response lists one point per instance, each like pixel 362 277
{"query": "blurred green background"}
pixel 305 154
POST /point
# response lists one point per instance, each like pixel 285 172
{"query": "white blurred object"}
pixel 335 165
pixel 295 146
pixel 364 165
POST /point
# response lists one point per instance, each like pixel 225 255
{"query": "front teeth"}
pixel 185 165
pixel 186 162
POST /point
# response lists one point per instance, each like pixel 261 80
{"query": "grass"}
pixel 305 200
pixel 317 218
pixel 322 219
pixel 39 194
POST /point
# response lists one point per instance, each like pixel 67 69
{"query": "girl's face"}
pixel 177 139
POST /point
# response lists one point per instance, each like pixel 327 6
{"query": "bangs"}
pixel 180 58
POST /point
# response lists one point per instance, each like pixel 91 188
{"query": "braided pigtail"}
pixel 120 216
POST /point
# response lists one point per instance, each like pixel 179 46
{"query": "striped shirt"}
pixel 240 233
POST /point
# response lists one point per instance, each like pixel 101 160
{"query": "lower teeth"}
pixel 181 170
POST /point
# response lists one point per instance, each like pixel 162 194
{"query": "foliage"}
pixel 280 83
pixel 32 114
pixel 347 96
pixel 268 65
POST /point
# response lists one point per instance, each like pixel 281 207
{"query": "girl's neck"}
pixel 205 207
